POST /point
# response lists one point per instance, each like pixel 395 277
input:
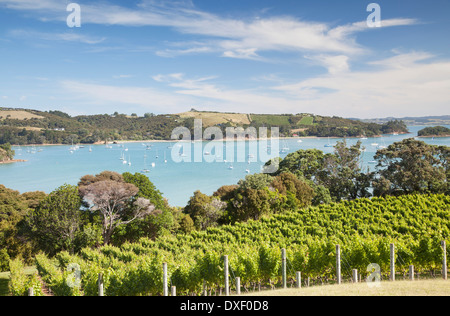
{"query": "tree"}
pixel 412 166
pixel 289 185
pixel 162 221
pixel 204 210
pixel 303 163
pixel 257 181
pixel 341 173
pixel 6 152
pixel 146 188
pixel 56 222
pixel 337 175
pixel 114 201
pixel 13 209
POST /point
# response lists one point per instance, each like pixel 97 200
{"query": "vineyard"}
pixel 363 228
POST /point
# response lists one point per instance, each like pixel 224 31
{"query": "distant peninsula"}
pixel 436 131
pixel 32 127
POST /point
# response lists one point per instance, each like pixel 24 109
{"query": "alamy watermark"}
pixel 74 18
pixel 261 147
pixel 374 19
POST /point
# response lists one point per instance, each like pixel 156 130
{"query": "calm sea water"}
pixel 49 167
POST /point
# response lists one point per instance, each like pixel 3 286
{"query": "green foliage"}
pixel 56 222
pixel 20 282
pixel 94 128
pixel 6 152
pixel 364 228
pixel 146 188
pixel 434 131
pixel 337 176
pixel 4 260
pixel 13 209
pixel 412 166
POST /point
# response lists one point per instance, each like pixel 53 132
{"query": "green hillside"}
pixel 21 127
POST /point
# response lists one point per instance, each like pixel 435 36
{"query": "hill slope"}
pixel 21 127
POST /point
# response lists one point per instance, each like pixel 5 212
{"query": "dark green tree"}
pixel 412 166
pixel 57 221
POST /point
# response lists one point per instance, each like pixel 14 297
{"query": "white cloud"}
pixel 417 88
pixel 243 53
pixel 122 76
pixel 334 64
pixel 231 37
pixel 414 88
pixel 65 37
pixel 145 98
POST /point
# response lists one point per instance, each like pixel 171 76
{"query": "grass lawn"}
pixel 397 288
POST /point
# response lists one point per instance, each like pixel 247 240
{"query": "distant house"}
pixel 62 129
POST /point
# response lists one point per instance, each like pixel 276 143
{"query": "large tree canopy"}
pixel 114 201
pixel 57 220
pixel 412 166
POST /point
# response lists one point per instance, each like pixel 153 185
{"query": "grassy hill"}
pixel 22 126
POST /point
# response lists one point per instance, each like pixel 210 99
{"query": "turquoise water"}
pixel 49 167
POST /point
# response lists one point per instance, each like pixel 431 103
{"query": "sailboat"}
pixel 165 160
pixel 285 148
pixel 90 149
pixel 329 144
pixel 382 146
pixel 129 160
pixel 145 170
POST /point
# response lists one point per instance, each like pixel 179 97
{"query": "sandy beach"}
pixel 11 161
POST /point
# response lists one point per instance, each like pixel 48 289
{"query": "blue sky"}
pixel 251 56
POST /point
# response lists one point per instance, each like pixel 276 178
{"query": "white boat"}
pixel 145 170
pixel 329 144
pixel 375 144
pixel 90 149
pixel 247 171
pixel 153 165
pixel 231 167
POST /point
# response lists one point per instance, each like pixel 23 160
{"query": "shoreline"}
pixel 434 136
pixel 11 161
pixel 204 140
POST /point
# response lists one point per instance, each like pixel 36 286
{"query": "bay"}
pixel 48 167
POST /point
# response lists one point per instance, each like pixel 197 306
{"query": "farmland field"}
pixel 18 115
pixel 212 118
